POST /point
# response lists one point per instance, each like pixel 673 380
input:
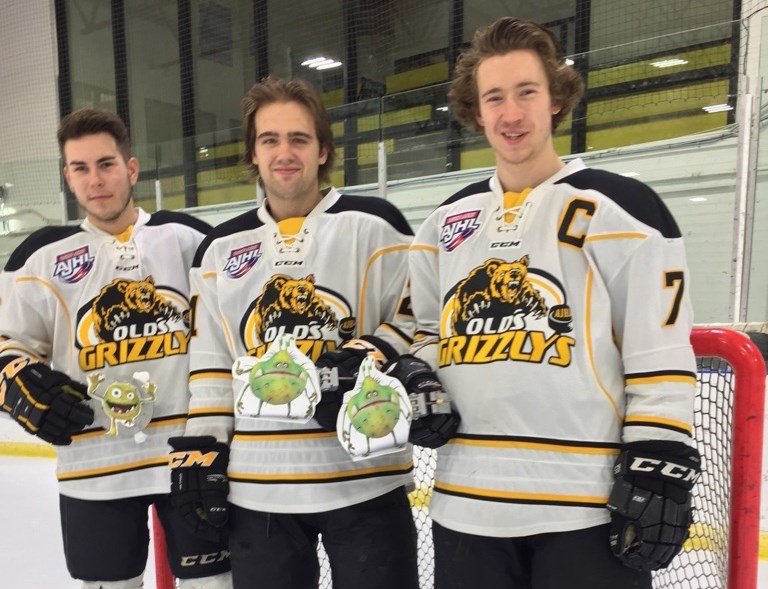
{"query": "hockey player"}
pixel 322 273
pixel 95 328
pixel 552 300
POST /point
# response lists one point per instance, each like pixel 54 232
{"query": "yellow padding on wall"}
pixel 641 70
pixel 395 117
pixel 216 151
pixel 333 97
pixel 619 135
pixel 417 78
pixel 658 102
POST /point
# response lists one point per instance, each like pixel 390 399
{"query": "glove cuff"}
pixel 381 350
pixel 5 360
pixel 660 466
pixel 192 442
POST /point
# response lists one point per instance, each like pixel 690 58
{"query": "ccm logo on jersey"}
pixel 663 467
pixel 191 458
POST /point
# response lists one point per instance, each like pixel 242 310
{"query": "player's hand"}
pixel 434 420
pixel 45 402
pixel 338 372
pixel 199 484
pixel 651 502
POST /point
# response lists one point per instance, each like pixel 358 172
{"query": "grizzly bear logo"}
pixel 288 301
pixel 124 301
pixel 496 289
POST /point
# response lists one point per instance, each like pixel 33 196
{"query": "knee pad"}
pixel 221 581
pixel 135 583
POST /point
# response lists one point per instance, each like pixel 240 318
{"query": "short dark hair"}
pixel 91 121
pixel 504 35
pixel 273 89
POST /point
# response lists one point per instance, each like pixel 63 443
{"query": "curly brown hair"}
pixel 272 89
pixel 509 34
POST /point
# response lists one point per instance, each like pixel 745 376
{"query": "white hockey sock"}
pixel 222 581
pixel 135 583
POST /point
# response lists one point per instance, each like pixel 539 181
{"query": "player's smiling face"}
pixel 288 155
pixel 101 180
pixel 515 111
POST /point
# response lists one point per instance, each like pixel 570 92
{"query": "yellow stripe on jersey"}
pixel 211 411
pixel 282 436
pixel 620 235
pixel 200 374
pixel 366 329
pixel 651 420
pixel 669 377
pixel 423 247
pixel 359 473
pixel 155 423
pixel 590 347
pixel 520 497
pixel 543 446
pixel 19 348
pixel 62 302
pixel 227 334
pixel 209 275
pixel 111 470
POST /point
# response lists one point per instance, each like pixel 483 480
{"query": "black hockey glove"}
pixel 338 371
pixel 199 484
pixel 45 402
pixel 651 502
pixel 434 421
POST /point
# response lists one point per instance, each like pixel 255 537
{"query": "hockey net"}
pixel 722 551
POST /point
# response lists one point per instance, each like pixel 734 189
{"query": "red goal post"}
pixel 742 371
pixel 722 551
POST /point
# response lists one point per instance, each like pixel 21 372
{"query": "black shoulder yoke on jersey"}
pixel 244 222
pixel 469 190
pixel 164 217
pixel 636 198
pixel 373 205
pixel 36 240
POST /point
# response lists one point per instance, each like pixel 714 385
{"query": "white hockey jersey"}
pixel 114 315
pixel 340 277
pixel 561 330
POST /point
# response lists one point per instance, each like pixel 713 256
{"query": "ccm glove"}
pixel 434 421
pixel 651 502
pixel 199 484
pixel 45 402
pixel 338 371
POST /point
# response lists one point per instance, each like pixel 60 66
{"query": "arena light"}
pixel 713 108
pixel 321 63
pixel 569 61
pixel 314 60
pixel 698 198
pixel 329 65
pixel 669 62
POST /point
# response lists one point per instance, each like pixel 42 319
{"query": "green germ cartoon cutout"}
pixel 373 410
pixel 121 401
pixel 277 380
